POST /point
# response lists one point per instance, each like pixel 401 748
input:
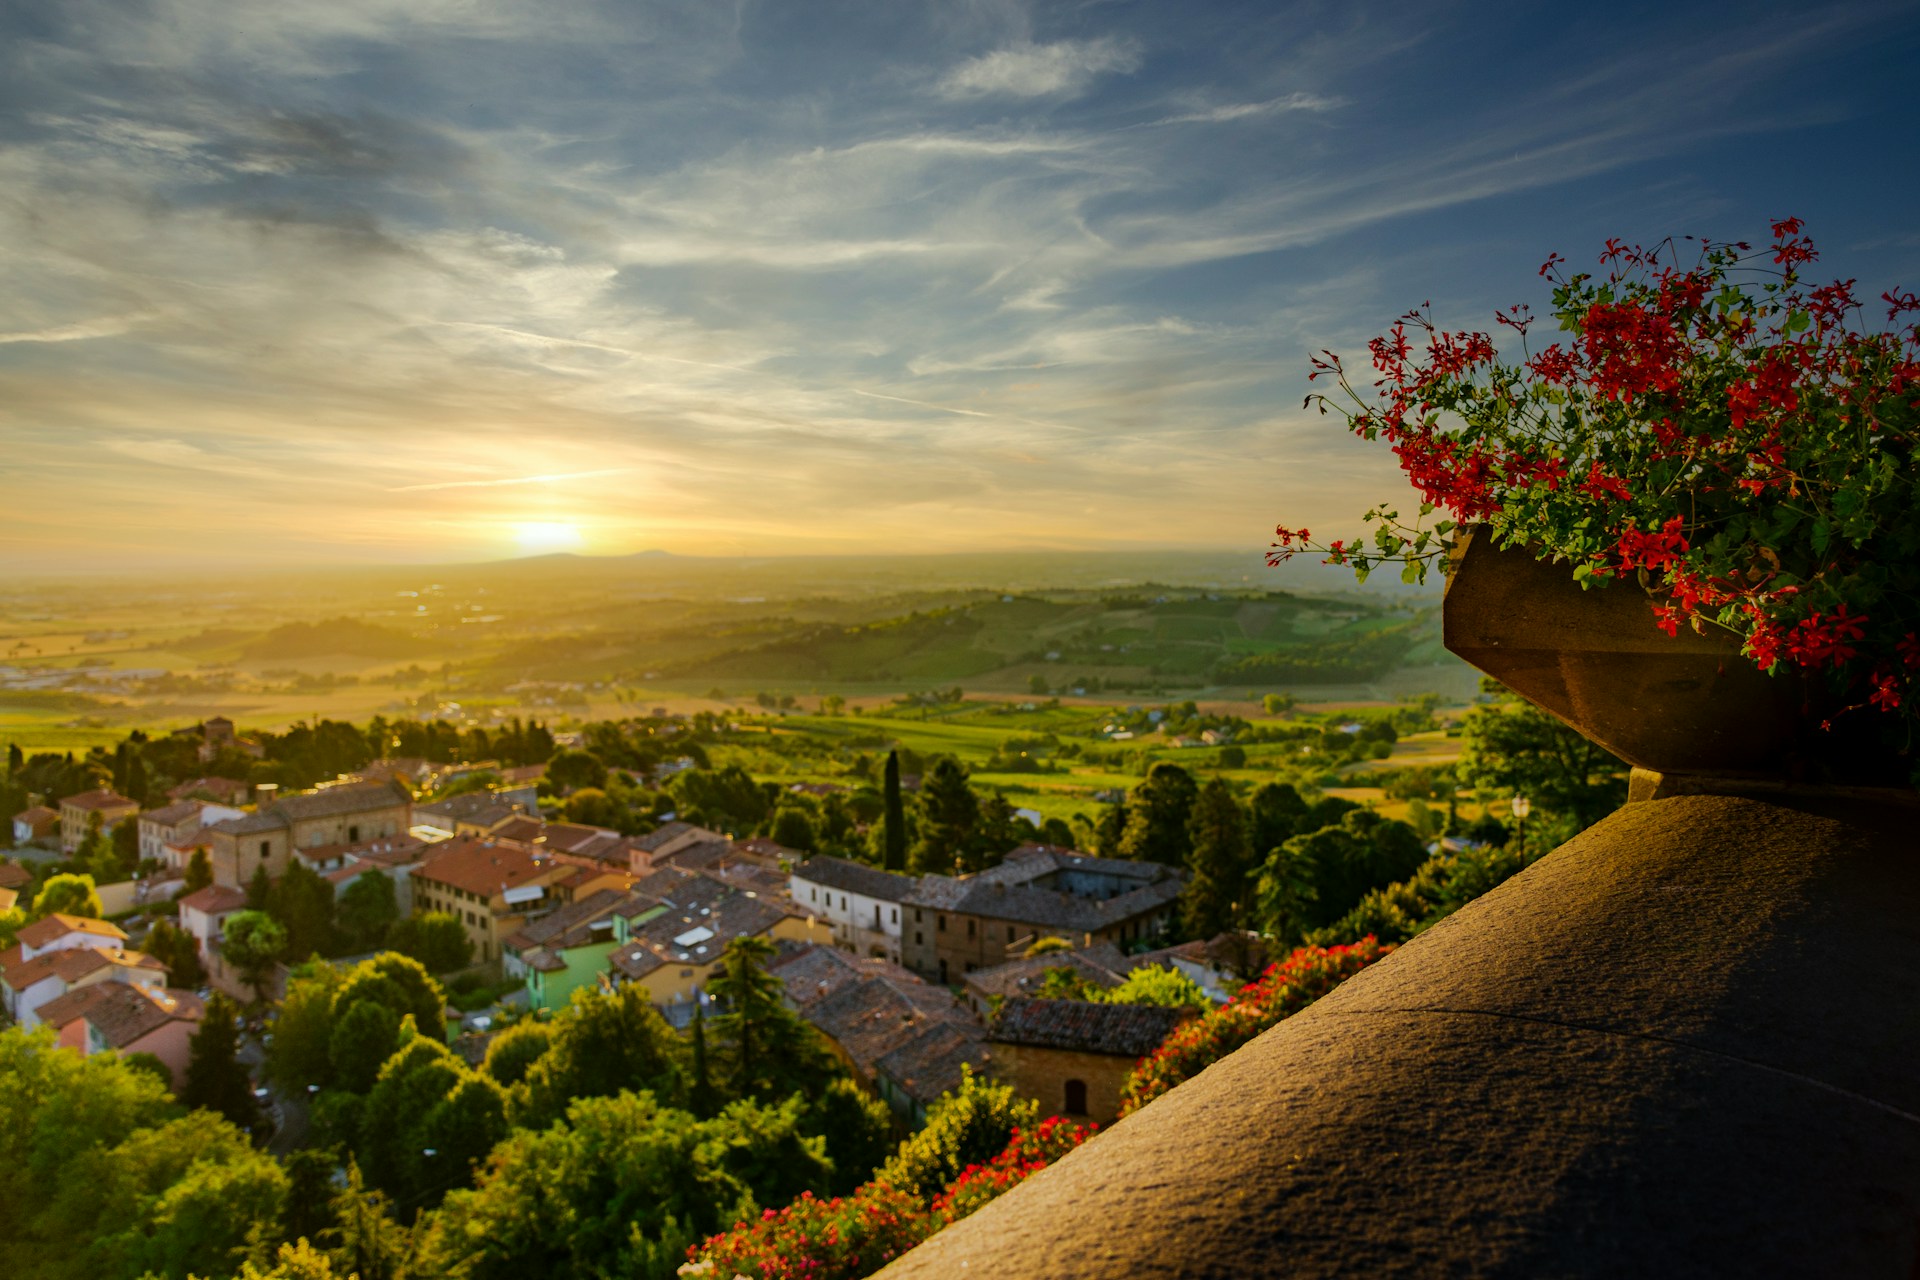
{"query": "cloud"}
pixel 1252 110
pixel 109 327
pixel 510 480
pixel 1062 69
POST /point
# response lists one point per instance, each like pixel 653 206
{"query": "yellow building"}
pixel 491 886
pixel 76 815
pixel 345 814
pixel 671 943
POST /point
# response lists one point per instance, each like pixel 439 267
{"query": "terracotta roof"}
pixel 348 797
pixel 522 827
pixel 215 899
pixel 667 834
pixel 99 799
pixel 121 1012
pixel 928 1066
pixel 224 788
pixel 391 851
pixel 1101 964
pixel 482 866
pixel 14 876
pixel 769 851
pixel 572 837
pixel 174 814
pixel 813 971
pixel 523 773
pixel 70 964
pixel 60 924
pixel 269 819
pixel 570 926
pixel 854 877
pixel 699 856
pixel 479 807
pixel 36 815
pixel 1117 1030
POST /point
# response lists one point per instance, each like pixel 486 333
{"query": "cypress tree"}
pixel 259 889
pixel 16 758
pixel 896 816
pixel 702 1096
pixel 215 1078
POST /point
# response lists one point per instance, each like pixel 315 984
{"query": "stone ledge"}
pixel 1681 1044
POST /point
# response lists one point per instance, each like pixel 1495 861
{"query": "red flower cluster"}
pixel 847 1237
pixel 1741 445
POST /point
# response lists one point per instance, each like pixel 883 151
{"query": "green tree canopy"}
pixel 1513 748
pixel 1218 896
pixel 253 943
pixel 602 1043
pixel 435 939
pixel 1158 810
pixel 367 909
pixel 70 894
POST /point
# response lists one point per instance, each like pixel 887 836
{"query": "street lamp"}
pixel 1521 808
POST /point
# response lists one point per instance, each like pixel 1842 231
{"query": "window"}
pixel 969 928
pixel 1009 933
pixel 1076 1098
pixel 919 939
pixel 813 895
pixel 843 902
pixel 896 915
pixel 916 915
pixel 265 846
pixel 353 835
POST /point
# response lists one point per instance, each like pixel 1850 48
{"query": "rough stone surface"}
pixel 1685 1043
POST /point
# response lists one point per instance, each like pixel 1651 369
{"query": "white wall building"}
pixel 861 903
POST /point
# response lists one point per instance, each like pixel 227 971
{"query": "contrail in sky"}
pixel 494 484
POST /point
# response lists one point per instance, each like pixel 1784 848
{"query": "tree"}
pixel 302 901
pixel 1274 815
pixel 1152 984
pixel 16 758
pixel 1216 897
pixel 437 940
pixel 102 1175
pixel 602 1043
pixel 1314 879
pixel 793 828
pixel 1277 704
pixel 367 909
pixel 592 807
pixel 1285 901
pixel 950 816
pixel 856 1127
pixel 621 1186
pixel 199 872
pixel 895 858
pixel 363 1037
pixel 427 1121
pixel 1056 832
pixel 300 1054
pixel 259 889
pixel 177 949
pixel 1512 748
pixel 365 1241
pixel 1157 813
pixel 514 1051
pixel 969 1126
pixel 216 1080
pixel 702 1097
pixel 403 985
pixel 68 894
pixel 96 856
pixel 768 1049
pixel 570 770
pixel 253 944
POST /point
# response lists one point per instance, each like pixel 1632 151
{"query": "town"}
pixel 608 912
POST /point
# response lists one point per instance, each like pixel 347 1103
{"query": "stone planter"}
pixel 1690 706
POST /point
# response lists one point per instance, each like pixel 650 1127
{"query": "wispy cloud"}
pixel 509 481
pixel 1064 68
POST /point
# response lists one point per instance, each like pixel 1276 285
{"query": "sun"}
pixel 541 537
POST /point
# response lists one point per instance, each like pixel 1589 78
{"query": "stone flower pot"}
pixel 1691 705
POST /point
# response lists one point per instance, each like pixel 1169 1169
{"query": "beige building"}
pixel 1073 1057
pixel 76 815
pixel 491 886
pixel 343 814
pixel 673 952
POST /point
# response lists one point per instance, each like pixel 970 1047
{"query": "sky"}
pixel 435 280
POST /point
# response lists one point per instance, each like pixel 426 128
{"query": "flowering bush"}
pixel 812 1239
pixel 1287 987
pixel 1030 1151
pixel 852 1236
pixel 1739 442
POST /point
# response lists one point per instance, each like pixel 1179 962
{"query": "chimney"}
pixel 265 793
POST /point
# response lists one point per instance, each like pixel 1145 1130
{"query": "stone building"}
pixel 344 814
pixel 77 814
pixel 1073 1057
pixel 862 903
pixel 953 926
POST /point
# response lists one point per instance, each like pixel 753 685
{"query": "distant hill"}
pixel 335 637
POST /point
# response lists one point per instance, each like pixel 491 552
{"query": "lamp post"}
pixel 1521 808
